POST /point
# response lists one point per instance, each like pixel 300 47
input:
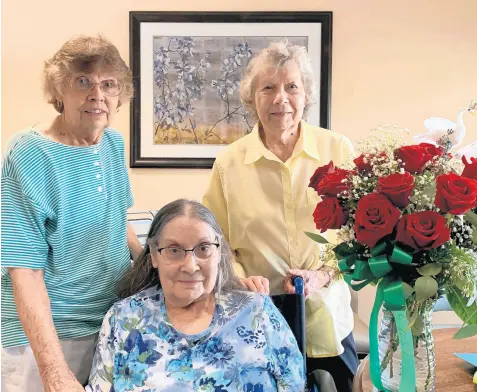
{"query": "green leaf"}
pixel 408 290
pixel 425 287
pixel 458 302
pixel 431 269
pixel 472 218
pixel 418 326
pixel 316 237
pixel 466 332
pixel 474 236
pixel 412 317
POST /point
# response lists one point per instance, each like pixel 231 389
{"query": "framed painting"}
pixel 187 68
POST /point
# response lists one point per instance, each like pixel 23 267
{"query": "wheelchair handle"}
pixel 299 285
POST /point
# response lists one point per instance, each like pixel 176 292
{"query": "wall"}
pixel 393 62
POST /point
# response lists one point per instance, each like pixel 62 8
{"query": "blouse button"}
pixel 98 176
pixel 100 188
pixel 96 164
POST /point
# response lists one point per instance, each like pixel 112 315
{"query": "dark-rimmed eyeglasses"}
pixel 202 251
pixel 84 84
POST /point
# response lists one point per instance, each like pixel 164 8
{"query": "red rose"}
pixel 414 158
pixel 375 218
pixel 423 230
pixel 455 194
pixel 397 187
pixel 319 174
pixel 334 183
pixel 363 162
pixel 435 151
pixel 470 170
pixel 329 214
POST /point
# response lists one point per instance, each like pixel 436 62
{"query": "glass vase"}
pixel 390 352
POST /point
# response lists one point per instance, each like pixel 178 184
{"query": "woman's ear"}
pixel 152 260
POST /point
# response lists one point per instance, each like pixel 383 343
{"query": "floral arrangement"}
pixel 406 218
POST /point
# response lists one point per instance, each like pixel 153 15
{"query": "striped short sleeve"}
pixel 24 243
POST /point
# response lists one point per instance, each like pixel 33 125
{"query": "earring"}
pixel 59 105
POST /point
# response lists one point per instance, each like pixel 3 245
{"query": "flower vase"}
pixel 423 343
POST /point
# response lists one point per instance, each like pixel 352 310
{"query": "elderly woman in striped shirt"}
pixel 65 238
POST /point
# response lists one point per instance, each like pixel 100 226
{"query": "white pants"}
pixel 20 372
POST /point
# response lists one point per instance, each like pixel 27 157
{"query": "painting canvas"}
pixel 187 77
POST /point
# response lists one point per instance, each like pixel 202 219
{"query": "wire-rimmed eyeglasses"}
pixel 202 251
pixel 84 84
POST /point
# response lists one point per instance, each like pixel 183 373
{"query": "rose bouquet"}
pixel 406 219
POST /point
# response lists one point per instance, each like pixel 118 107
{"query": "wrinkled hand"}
pixel 257 284
pixel 55 382
pixel 314 281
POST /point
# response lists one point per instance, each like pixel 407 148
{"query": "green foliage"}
pixel 431 269
pixel 458 302
pixel 316 237
pixel 466 332
pixel 425 287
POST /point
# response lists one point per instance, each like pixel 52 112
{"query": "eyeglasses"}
pixel 83 84
pixel 201 252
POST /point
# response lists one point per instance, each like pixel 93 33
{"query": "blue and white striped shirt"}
pixel 64 211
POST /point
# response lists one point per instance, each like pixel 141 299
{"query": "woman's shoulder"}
pixel 235 151
pixel 114 137
pixel 323 133
pixel 245 301
pixel 23 148
pixel 139 302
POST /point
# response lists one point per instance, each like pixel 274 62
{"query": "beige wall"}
pixel 393 62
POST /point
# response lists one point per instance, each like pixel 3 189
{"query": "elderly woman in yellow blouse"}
pixel 259 193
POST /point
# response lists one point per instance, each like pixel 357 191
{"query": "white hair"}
pixel 278 54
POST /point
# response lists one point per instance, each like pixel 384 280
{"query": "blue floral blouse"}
pixel 248 347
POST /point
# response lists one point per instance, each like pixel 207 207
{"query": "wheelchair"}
pixel 292 307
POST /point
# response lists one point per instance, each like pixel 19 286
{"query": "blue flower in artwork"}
pixel 130 365
pixel 249 387
pixel 216 352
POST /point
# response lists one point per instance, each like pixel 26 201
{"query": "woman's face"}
pixel 280 97
pixel 188 279
pixel 86 106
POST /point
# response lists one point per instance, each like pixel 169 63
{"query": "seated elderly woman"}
pixel 187 324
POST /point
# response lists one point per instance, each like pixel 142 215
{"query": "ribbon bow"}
pixel 390 293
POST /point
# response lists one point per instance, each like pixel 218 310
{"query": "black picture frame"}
pixel 139 158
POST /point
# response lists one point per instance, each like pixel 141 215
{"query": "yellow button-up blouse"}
pixel 264 206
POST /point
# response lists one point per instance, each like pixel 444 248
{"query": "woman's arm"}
pixel 134 245
pixel 285 356
pixel 34 312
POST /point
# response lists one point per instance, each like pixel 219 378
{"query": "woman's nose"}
pixel 96 94
pixel 190 263
pixel 281 97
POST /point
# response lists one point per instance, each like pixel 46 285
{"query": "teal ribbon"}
pixel 390 293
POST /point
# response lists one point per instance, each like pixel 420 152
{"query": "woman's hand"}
pixel 257 284
pixel 314 280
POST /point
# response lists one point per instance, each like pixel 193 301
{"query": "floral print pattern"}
pixel 248 347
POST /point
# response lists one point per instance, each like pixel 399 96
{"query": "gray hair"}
pixel 84 54
pixel 142 275
pixel 278 54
